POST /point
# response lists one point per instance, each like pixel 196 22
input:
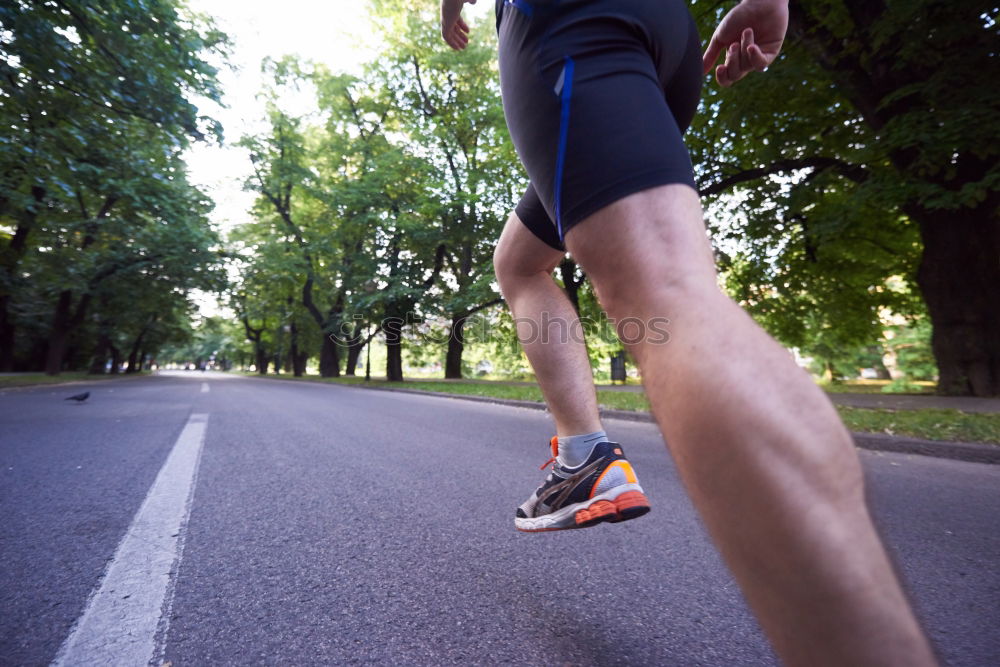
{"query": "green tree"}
pixel 96 112
pixel 384 206
pixel 449 105
pixel 282 176
pixel 865 153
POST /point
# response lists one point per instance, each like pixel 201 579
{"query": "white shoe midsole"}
pixel 567 515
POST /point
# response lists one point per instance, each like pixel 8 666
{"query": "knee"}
pixel 504 267
pixel 501 260
pixel 514 265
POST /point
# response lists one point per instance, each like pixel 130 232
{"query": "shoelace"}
pixel 554 444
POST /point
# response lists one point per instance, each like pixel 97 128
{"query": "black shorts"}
pixel 597 95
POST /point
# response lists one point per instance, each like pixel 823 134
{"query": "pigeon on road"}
pixel 79 398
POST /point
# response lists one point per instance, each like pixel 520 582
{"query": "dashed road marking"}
pixel 204 387
pixel 119 623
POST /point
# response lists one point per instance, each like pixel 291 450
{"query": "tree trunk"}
pixel 329 358
pixel 133 355
pixel 100 353
pixel 354 347
pixel 116 360
pixel 567 271
pixel 6 335
pixel 136 355
pixel 261 355
pixel 959 277
pixel 393 329
pixel 10 257
pixel 59 334
pixel 353 354
pixel 456 345
pixel 293 352
pixel 71 360
pixel 63 325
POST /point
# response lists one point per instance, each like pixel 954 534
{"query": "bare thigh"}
pixel 647 242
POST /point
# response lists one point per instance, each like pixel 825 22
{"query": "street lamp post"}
pixel 368 354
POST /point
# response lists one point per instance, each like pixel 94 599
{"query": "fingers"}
pixel 711 54
pixel 454 29
pixel 456 35
pixel 453 38
pixel 758 59
pixel 742 57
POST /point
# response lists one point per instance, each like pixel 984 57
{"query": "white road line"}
pixel 204 387
pixel 120 620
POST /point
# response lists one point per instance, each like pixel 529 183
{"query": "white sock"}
pixel 574 450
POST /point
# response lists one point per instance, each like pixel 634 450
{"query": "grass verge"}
pixel 931 424
pixel 878 387
pixel 31 379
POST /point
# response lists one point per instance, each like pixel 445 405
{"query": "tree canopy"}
pixel 95 206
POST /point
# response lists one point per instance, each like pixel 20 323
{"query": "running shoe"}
pixel 603 488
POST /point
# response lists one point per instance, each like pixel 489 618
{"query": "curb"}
pixel 972 452
pixel 959 451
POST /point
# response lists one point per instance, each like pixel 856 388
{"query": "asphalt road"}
pixel 330 525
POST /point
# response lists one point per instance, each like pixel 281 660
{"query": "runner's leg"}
pixel 762 452
pixel 524 266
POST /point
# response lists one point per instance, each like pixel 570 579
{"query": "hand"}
pixel 454 29
pixel 751 33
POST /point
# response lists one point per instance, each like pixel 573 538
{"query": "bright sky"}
pixel 333 32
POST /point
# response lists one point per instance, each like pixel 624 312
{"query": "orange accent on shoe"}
pixel 554 444
pixel 631 500
pixel 626 467
pixel 598 511
pixel 628 505
pixel 618 451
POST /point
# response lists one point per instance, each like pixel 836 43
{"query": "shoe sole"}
pixel 627 505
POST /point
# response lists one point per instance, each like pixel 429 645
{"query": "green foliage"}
pixel 911 345
pixel 874 113
pixel 107 235
pixel 387 207
pixel 836 364
pixel 217 339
